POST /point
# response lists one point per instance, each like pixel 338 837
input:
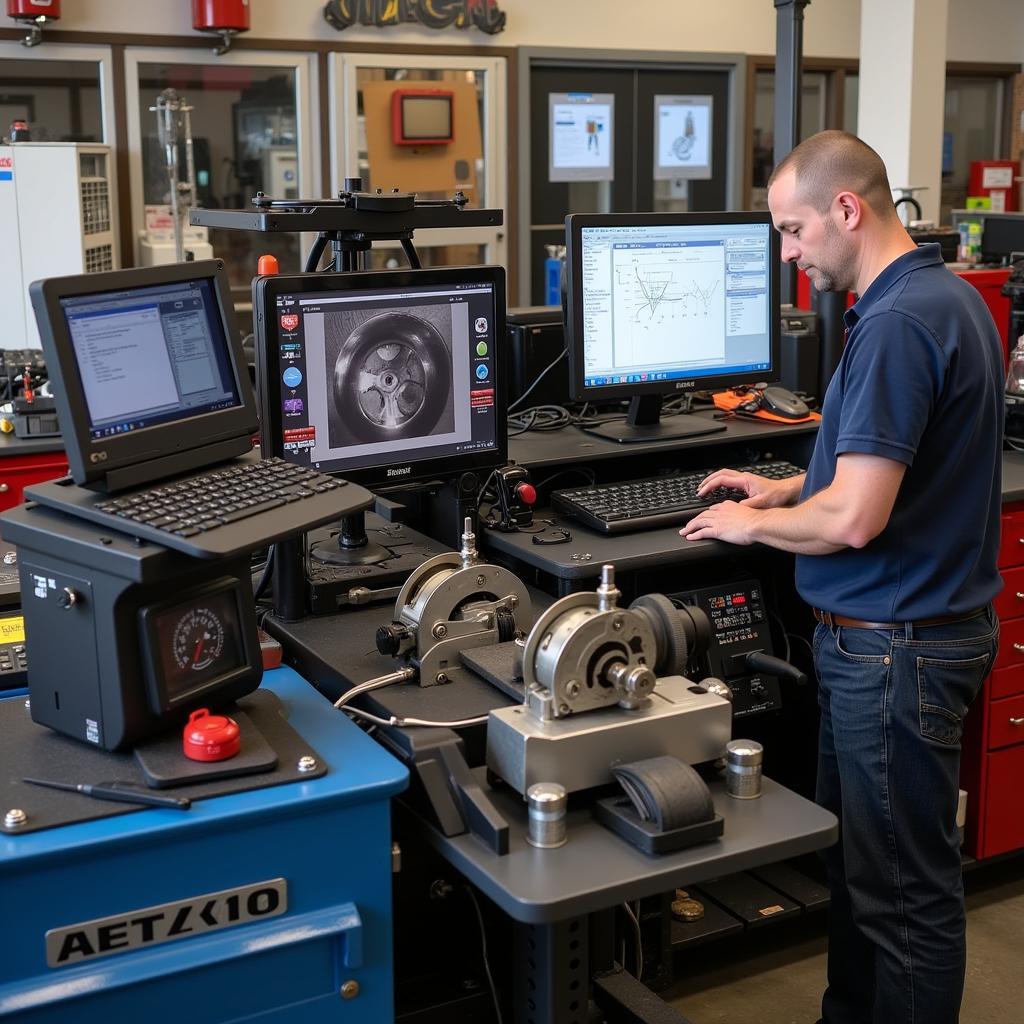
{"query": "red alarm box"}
pixel 29 10
pixel 422 117
pixel 997 180
pixel 220 15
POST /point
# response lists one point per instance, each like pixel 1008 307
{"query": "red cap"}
pixel 267 264
pixel 526 493
pixel 210 737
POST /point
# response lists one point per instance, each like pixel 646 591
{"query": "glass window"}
pixel 60 99
pixel 244 130
pixel 971 131
pixel 813 111
pixel 851 96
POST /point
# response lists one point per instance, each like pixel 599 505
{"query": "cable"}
pixel 540 376
pixel 268 569
pixel 483 950
pixel 404 723
pixel 398 676
pixel 639 941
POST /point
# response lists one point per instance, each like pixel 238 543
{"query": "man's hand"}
pixel 760 491
pixel 729 521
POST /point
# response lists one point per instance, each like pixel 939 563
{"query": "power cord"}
pixel 540 376
pixel 483 950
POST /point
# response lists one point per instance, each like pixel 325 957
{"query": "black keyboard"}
pixel 234 508
pixel 654 502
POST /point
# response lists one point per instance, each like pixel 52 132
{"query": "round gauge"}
pixel 198 639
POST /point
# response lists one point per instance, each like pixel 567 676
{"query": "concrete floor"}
pixel 778 978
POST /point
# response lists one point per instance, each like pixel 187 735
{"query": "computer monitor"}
pixel 662 304
pixel 148 370
pixel 383 377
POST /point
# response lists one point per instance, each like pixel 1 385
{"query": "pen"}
pixel 122 794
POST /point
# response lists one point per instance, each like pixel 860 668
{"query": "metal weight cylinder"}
pixel 743 769
pixel 547 804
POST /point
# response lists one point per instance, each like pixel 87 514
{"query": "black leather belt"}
pixel 831 619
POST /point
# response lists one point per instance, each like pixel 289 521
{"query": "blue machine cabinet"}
pixel 326 957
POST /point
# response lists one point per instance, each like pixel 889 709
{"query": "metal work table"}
pixel 561 901
pixel 550 450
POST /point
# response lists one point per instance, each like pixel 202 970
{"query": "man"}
pixel 895 527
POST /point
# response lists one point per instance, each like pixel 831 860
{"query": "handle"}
pixel 761 662
pixel 1018 647
pixel 1017 721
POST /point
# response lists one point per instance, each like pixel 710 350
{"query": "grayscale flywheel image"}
pixel 392 375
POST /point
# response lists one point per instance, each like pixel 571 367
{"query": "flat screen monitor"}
pixel 384 377
pixel 663 304
pixel 147 366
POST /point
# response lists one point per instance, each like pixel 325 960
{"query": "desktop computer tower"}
pixel 800 359
pixel 536 336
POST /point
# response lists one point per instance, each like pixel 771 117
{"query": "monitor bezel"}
pixel 575 223
pixel 92 459
pixel 268 367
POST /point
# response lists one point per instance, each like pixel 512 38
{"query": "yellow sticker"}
pixel 12 630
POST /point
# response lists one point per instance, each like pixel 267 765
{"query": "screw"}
pixel 616 623
pixel 350 989
pixel 306 763
pixel 572 688
pixel 563 709
pixel 441 678
pixel 440 631
pixel 481 580
pixel 513 601
pixel 15 818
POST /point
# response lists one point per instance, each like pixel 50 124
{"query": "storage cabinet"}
pixel 20 471
pixel 993 755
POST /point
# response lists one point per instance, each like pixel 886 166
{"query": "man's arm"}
pixel 849 513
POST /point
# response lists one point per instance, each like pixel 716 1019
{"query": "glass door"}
pixel 373 138
pixel 254 128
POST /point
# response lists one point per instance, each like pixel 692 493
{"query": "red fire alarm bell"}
pixel 225 18
pixel 422 117
pixel 35 14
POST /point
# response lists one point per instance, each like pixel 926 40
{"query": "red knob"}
pixel 526 493
pixel 267 264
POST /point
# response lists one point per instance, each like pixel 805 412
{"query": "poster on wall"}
pixel 682 137
pixel 581 136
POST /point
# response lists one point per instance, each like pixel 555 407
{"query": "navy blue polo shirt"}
pixel 921 382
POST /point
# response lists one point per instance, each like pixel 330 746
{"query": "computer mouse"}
pixel 781 402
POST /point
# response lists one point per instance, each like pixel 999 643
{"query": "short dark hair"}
pixel 832 162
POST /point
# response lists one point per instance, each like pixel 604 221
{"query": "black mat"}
pixel 500 665
pixel 34 751
pixel 162 764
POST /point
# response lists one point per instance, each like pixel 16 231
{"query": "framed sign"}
pixel 682 137
pixel 581 136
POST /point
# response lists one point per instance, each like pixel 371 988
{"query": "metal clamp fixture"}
pixel 451 603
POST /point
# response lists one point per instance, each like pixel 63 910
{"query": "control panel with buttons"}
pixel 739 629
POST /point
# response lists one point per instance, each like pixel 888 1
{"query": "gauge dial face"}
pixel 198 639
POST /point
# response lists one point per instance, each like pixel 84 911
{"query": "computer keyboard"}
pixel 236 507
pixel 655 501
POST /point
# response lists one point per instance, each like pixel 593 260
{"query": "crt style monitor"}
pixel 384 377
pixel 149 374
pixel 661 304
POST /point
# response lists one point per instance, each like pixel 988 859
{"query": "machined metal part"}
pixel 680 719
pixel 452 603
pixel 586 653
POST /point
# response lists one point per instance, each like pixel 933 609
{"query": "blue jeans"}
pixel 892 711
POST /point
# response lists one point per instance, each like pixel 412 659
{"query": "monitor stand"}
pixel 644 423
pixel 352 546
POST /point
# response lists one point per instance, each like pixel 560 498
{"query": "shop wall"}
pixel 979 30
